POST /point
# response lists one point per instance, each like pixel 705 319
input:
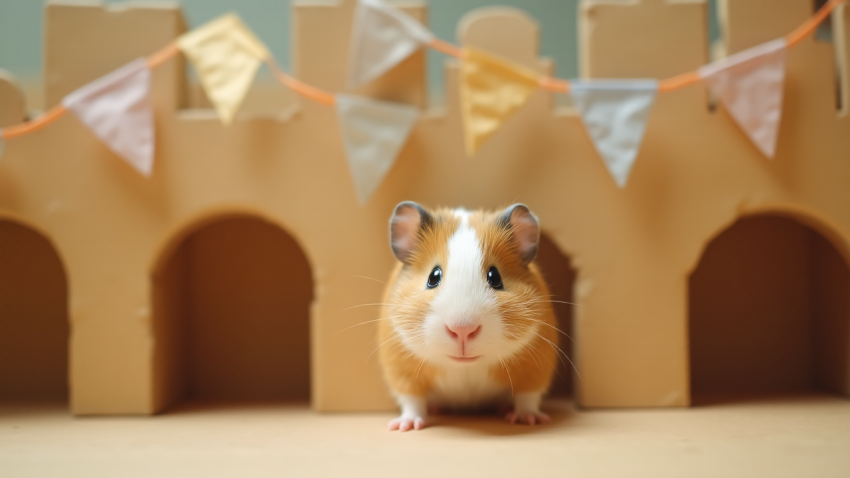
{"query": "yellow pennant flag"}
pixel 226 55
pixel 491 89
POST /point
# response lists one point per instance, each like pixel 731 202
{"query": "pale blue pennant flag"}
pixel 615 114
pixel 382 36
pixel 373 133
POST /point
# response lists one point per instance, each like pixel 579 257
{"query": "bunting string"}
pixel 226 55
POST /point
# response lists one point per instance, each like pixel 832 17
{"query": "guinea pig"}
pixel 466 321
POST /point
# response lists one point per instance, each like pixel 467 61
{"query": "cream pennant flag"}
pixel 373 133
pixel 750 84
pixel 615 114
pixel 117 108
pixel 226 55
pixel 381 37
pixel 491 90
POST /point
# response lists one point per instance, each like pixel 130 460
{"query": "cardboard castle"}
pixel 239 268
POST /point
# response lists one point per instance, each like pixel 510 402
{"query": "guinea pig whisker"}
pixel 534 354
pixel 510 380
pixel 370 278
pixel 554 302
pixel 396 336
pixel 427 355
pixel 550 325
pixel 362 323
pixel 558 349
pixel 367 305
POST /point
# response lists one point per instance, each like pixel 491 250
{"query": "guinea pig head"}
pixel 465 292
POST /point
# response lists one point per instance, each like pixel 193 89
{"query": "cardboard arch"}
pixel 769 309
pixel 232 313
pixel 808 217
pixel 183 229
pixel 35 325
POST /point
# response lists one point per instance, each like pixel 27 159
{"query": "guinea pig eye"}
pixel 494 278
pixel 435 277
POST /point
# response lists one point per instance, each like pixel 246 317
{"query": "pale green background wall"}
pixel 21 22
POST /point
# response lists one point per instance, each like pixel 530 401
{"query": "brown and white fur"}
pixel 463 344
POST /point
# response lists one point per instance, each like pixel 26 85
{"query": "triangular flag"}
pixel 614 113
pixel 226 55
pixel 381 37
pixel 749 84
pixel 117 108
pixel 491 89
pixel 373 133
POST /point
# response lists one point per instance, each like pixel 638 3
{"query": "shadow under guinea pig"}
pixel 492 422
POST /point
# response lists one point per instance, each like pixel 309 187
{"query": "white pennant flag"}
pixel 373 133
pixel 117 108
pixel 615 114
pixel 749 84
pixel 381 37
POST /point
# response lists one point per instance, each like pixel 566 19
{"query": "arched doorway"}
pixel 232 316
pixel 560 277
pixel 769 312
pixel 34 329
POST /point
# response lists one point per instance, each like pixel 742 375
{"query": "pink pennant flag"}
pixel 117 109
pixel 750 84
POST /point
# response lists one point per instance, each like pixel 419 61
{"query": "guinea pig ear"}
pixel 525 229
pixel 408 219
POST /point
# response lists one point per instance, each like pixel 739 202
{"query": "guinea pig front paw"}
pixel 527 418
pixel 404 423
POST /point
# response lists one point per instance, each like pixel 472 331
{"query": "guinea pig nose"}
pixel 463 333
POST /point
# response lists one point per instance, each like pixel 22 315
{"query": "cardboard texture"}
pixel 247 234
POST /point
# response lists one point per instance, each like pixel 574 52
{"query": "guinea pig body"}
pixel 467 322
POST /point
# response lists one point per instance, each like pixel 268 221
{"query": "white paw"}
pixel 527 418
pixel 404 423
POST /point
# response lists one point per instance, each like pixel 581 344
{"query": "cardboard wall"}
pixel 633 250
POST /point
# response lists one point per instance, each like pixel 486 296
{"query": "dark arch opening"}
pixel 769 313
pixel 34 328
pixel 232 313
pixel 560 276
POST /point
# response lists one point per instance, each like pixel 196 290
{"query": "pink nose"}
pixel 463 333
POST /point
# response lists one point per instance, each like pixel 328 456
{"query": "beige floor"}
pixel 805 436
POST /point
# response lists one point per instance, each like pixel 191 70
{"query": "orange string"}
pixel 302 89
pixel 162 55
pixel 50 116
pixel 323 97
pixel 446 47
pixel 812 23
pixel 554 84
pixel 681 81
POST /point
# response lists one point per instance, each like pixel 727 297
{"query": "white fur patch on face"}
pixel 464 299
